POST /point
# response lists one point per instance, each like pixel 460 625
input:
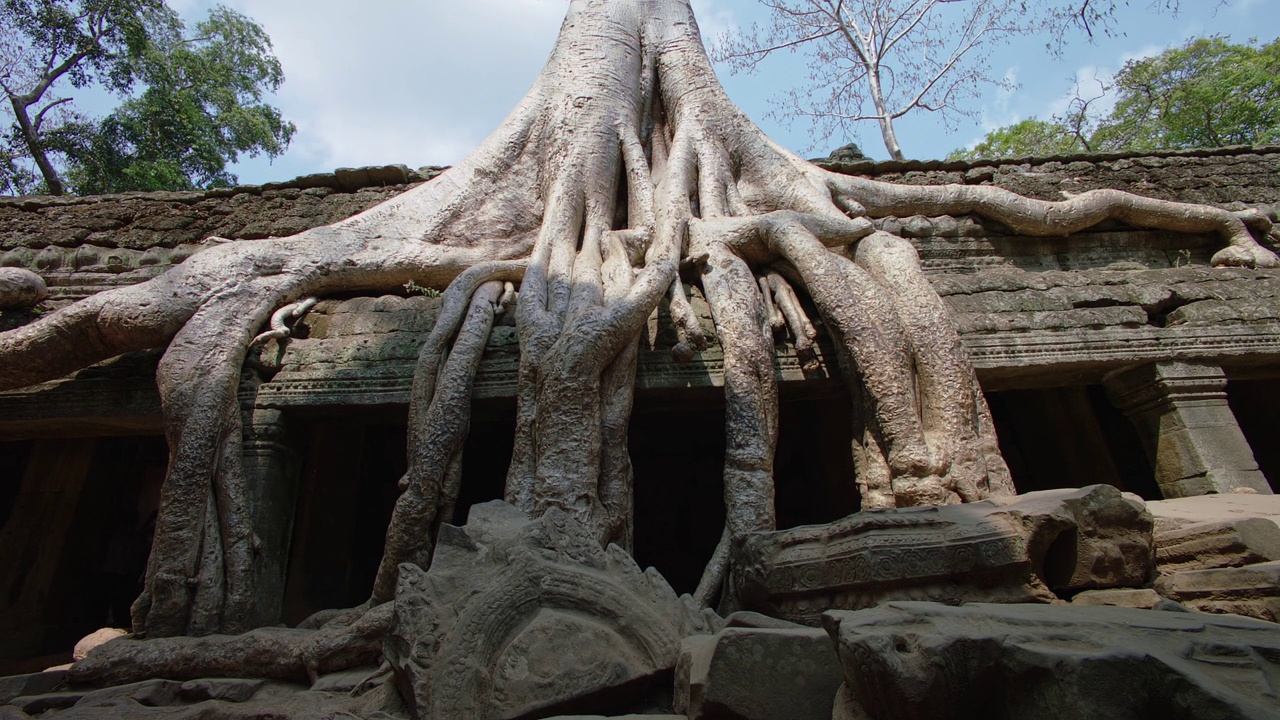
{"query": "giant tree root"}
pixel 272 653
pixel 625 160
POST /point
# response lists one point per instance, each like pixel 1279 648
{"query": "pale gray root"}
pixel 717 571
pixel 691 338
pixel 1047 218
pixel 439 418
pixel 950 401
pixel 274 653
pixel 751 391
pixel 282 319
pixel 793 317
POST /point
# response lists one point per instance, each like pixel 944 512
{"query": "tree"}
pixel 192 102
pixel 625 160
pixel 1207 93
pixel 882 60
pixel 878 60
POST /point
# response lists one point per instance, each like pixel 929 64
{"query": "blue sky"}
pixel 422 82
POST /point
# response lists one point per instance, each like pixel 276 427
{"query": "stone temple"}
pixel 1116 357
pixel 635 414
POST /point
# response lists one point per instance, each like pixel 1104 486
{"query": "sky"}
pixel 422 82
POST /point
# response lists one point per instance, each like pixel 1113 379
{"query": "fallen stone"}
pixel 37 704
pixel 95 640
pixel 152 693
pixel 1038 547
pixel 1142 599
pixel 619 717
pixel 925 660
pixel 226 689
pixel 1203 546
pixel 13 713
pixel 1173 514
pixel 20 288
pixel 14 686
pixel 1252 591
pixel 758 674
pixel 520 618
pixel 345 681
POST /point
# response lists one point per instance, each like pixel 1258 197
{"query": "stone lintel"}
pixel 1187 428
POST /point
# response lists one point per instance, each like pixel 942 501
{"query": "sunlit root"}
pixel 281 321
pixel 783 298
pixel 691 338
pixel 1042 217
pixel 439 419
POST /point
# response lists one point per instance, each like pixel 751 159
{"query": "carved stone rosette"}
pixel 520 616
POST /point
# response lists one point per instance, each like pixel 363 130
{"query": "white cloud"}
pixel 399 80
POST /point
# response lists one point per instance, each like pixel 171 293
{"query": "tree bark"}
pixel 624 158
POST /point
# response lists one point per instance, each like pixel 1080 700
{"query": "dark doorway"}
pixel 79 514
pixel 1069 437
pixel 1256 404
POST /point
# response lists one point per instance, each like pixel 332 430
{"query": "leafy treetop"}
pixel 1207 93
pixel 192 102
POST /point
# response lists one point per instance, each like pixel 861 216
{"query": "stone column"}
pixel 1188 430
pixel 272 470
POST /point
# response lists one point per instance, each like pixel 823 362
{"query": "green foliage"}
pixel 1207 93
pixel 1024 139
pixel 191 101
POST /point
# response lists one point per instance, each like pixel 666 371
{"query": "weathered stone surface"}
pixel 1253 590
pixel 12 713
pixel 758 674
pixel 518 616
pixel 20 288
pixel 1139 598
pixel 14 686
pixel 924 660
pixel 227 689
pixel 1204 546
pixel 618 717
pixel 1187 428
pixel 1226 507
pixel 1033 548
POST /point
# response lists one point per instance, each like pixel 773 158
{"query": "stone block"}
pixel 758 674
pixel 1142 599
pixel 1032 548
pixel 1204 546
pixel 13 686
pixel 21 288
pixel 925 660
pixel 225 689
pixel 1226 507
pixel 1253 590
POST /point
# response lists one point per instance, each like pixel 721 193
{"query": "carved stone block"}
pixel 520 616
pixel 758 674
pixel 1204 546
pixel 1032 548
pixel 1253 591
pixel 924 660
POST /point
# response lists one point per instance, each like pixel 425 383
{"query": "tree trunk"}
pixel 625 157
pixel 32 139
